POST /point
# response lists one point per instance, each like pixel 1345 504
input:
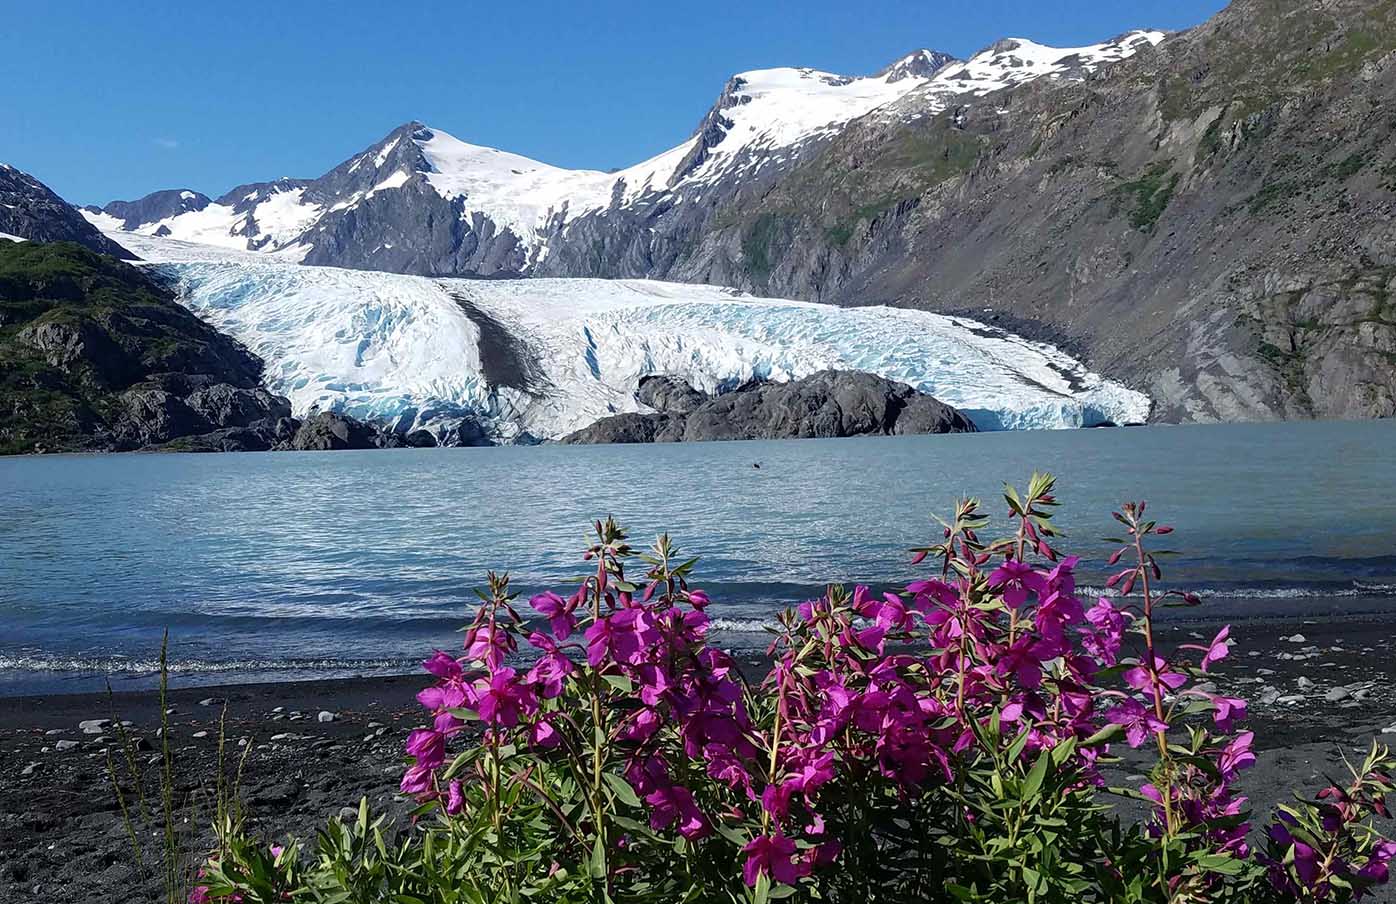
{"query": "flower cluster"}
pixel 946 739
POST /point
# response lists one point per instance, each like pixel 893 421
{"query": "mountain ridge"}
pixel 422 201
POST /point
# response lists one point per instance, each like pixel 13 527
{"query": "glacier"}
pixel 417 352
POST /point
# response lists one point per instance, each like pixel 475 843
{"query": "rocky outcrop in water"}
pixel 826 404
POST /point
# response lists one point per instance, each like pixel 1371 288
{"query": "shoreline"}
pixel 1321 615
pixel 62 836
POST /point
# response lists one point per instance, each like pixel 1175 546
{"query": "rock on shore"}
pixel 826 404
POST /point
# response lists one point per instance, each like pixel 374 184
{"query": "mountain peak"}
pixel 917 64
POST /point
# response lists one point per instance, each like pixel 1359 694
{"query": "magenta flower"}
pixel 1108 626
pixel 1237 755
pixel 443 696
pixel 543 735
pixel 1160 677
pixel 488 644
pixel 772 855
pixel 1024 661
pixel 1138 720
pixel 558 612
pixel 698 599
pixel 1377 868
pixel 1012 579
pixel 199 895
pixel 1228 710
pixel 417 780
pixel 455 799
pixel 428 746
pixel 671 803
pixel 552 668
pixel 622 636
pixel 501 699
pixel 442 666
pixel 1215 651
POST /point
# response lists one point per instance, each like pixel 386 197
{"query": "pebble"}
pixel 1304 682
pixel 65 745
pixel 31 769
pixel 348 814
pixel 1265 671
pixel 200 734
pixel 327 716
pixel 1291 699
pixel 1336 694
pixel 285 736
pixel 55 731
pixel 93 726
pixel 1296 638
pixel 212 701
pixel 278 709
pixel 1390 729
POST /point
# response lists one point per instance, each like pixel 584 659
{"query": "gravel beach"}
pixel 1316 691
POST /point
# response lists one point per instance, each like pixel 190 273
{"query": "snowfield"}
pixel 544 357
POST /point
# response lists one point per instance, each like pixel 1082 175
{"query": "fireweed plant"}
pixel 944 743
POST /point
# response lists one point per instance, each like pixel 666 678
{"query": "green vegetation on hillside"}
pixel 78 328
pixel 1150 194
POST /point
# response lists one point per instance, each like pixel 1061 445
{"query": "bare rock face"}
pixel 328 430
pixel 826 404
pixel 154 416
pixel 69 345
pixel 629 428
pixel 669 394
pixel 233 406
pixel 30 210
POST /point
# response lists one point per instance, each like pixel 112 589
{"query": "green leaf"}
pixel 620 683
pixel 1037 775
pixel 622 789
pixel 598 859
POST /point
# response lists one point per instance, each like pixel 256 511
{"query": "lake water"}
pixel 287 566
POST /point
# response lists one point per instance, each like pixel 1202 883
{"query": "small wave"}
pixel 197 666
pixel 741 625
pixel 1356 588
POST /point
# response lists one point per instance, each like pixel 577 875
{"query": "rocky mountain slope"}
pixel 1209 220
pixel 827 404
pixel 94 356
pixel 29 211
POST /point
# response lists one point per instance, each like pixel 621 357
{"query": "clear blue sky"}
pixel 106 100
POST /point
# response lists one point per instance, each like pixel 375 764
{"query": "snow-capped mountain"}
pixel 423 201
pixel 543 357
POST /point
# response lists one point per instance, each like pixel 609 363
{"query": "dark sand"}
pixel 62 837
